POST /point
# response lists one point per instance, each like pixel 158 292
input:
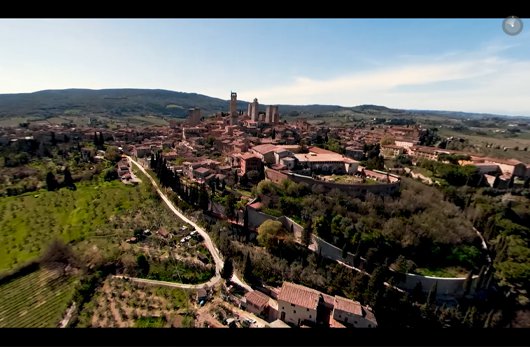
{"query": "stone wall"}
pixel 447 286
pixel 353 189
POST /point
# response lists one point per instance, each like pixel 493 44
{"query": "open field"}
pixel 29 222
pixel 520 141
pixel 120 303
pixel 38 299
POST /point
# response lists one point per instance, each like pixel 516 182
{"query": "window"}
pixel 309 316
pixel 307 310
pixel 340 316
pixel 292 305
pixel 294 311
pixel 369 325
pixel 283 308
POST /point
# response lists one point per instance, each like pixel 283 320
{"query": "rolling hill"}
pixel 159 102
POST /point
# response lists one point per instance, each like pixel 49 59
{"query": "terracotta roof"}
pixel 348 305
pixel 299 295
pixel 262 149
pixel 257 299
pixel 202 170
pixel 501 161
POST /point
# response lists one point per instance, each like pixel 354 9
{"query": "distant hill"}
pixel 159 102
pixel 124 102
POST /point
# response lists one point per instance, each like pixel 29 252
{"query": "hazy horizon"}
pixel 460 65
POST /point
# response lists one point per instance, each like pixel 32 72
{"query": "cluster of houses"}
pixel 298 305
pixel 491 168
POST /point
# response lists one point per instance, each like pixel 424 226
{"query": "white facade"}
pixel 291 313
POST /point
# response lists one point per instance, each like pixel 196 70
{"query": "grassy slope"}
pixel 27 223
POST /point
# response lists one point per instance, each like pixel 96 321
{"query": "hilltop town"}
pixel 244 218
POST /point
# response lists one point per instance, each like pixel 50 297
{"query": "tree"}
pixel 110 174
pixel 302 147
pixel 345 250
pixel 306 233
pixel 68 180
pixel 51 182
pixel 247 269
pixel 468 282
pixel 143 265
pixel 253 176
pixel 269 232
pixel 431 297
pixel 59 252
pixel 228 269
pixel 101 141
pixel 112 154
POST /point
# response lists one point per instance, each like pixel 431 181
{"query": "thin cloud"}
pixel 497 85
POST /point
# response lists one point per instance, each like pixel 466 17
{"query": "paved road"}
pixel 207 240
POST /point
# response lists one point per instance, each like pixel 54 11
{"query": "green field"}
pixel 29 222
pixel 38 299
pixel 150 322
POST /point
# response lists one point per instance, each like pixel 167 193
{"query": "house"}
pixel 322 160
pixel 164 233
pixel 352 313
pixel 141 151
pixel 265 152
pixel 256 302
pixel 250 162
pixel 508 167
pixel 201 173
pixel 298 304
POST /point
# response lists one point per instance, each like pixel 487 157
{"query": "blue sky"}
pixel 465 65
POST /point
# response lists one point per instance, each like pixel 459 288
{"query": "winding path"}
pixel 207 240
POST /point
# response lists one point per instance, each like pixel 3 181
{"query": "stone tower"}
pixel 255 110
pixel 233 108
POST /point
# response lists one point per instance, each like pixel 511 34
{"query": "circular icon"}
pixel 512 25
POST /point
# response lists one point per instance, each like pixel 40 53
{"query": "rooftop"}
pixel 266 148
pixel 348 305
pixel 202 170
pixel 299 295
pixel 257 298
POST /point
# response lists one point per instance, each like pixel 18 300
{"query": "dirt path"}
pixel 68 316
pixel 207 240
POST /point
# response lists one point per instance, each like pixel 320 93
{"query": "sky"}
pixel 466 65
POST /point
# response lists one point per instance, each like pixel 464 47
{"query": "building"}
pixel 508 167
pixel 298 304
pixel 250 162
pixel 352 313
pixel 194 116
pixel 272 116
pixel 254 110
pixel 256 302
pixel 322 160
pixel 233 108
pixel 141 151
pixel 265 152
